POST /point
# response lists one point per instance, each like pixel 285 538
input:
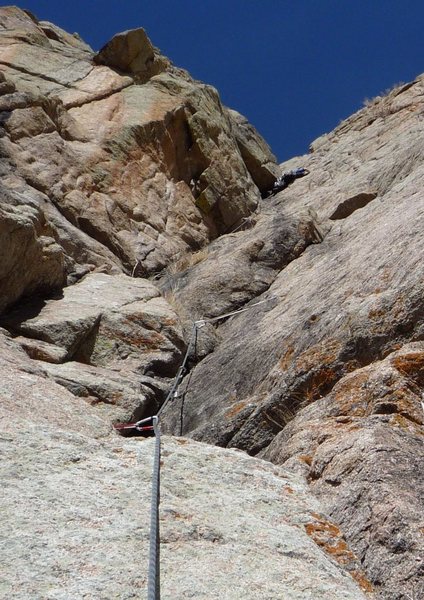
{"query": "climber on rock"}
pixel 286 179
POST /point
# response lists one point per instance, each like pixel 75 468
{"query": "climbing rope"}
pixel 153 588
pixel 235 312
pixel 187 385
pixel 153 584
pixel 173 392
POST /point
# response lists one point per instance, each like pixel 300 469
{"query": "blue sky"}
pixel 295 68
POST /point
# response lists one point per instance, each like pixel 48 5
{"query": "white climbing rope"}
pixel 202 322
pixel 137 262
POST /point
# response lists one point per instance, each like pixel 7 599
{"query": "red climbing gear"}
pixel 143 428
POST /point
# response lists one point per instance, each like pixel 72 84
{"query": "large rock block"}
pixel 31 260
pixel 132 52
pixel 142 160
pixel 105 322
pixel 257 155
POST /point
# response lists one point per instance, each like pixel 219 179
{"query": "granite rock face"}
pixel 360 448
pixel 131 206
pixel 76 502
pixel 112 340
pixel 345 303
pixel 127 159
pixel 31 261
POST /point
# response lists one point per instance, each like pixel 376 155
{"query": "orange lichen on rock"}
pixel 364 583
pixel 320 382
pixel 411 365
pixel 286 359
pixel 306 458
pixel 150 340
pixel 351 394
pixel 328 536
pixel 406 424
pixel 376 313
pixel 235 409
pixel 320 354
pixel 322 531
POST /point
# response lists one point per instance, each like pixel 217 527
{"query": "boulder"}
pixel 257 155
pixel 131 52
pixel 117 396
pixel 240 266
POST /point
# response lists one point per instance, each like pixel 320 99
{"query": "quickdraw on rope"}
pixel 151 425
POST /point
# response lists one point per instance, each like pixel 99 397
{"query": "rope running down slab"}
pixel 153 585
pixel 153 588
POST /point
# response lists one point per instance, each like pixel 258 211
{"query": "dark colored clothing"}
pixel 286 179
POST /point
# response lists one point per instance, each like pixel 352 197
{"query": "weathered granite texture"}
pixel 342 304
pixel 131 206
pixel 361 449
pixel 76 502
pixel 112 340
pixel 119 157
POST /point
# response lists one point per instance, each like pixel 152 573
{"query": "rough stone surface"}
pixel 118 168
pixel 360 447
pixel 131 52
pixel 112 333
pixel 39 350
pixel 76 499
pixel 256 153
pixel 122 149
pixel 31 260
pixel 240 266
pixel 344 303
